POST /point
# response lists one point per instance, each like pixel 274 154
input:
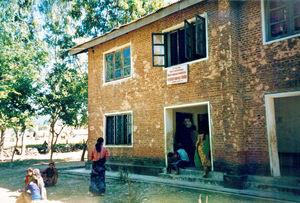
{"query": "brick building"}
pixel 229 66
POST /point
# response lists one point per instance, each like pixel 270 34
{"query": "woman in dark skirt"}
pixel 99 155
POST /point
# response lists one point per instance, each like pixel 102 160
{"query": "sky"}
pixel 172 1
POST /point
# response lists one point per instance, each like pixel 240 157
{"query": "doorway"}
pixel 287 116
pixel 283 125
pixel 176 132
pixel 185 133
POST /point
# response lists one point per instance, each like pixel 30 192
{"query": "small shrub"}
pixel 61 147
pixel 123 175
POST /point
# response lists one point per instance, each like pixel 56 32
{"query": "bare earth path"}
pixel 72 188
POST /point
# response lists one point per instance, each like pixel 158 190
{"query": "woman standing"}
pixel 203 148
pixel 99 155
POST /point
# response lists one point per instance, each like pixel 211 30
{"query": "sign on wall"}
pixel 177 74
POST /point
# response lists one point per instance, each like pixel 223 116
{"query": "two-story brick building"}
pixel 229 66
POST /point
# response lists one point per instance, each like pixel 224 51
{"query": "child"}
pixel 172 158
pixel 28 177
pixel 34 189
pixel 178 159
pixel 40 182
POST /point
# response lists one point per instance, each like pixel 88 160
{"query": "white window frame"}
pixel 264 30
pixel 104 128
pixel 181 25
pixel 104 64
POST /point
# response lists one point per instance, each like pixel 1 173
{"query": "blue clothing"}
pixel 179 164
pixel 35 191
pixel 97 186
pixel 183 155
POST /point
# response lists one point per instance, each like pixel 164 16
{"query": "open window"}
pixel 182 45
pixel 200 36
pixel 158 49
pixel 188 40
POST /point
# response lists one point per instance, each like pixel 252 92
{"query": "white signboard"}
pixel 177 74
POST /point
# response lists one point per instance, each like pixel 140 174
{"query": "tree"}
pixel 95 17
pixel 65 101
pixel 19 128
pixel 21 55
pixel 17 106
pixel 64 97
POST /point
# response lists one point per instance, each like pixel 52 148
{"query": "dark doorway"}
pixel 203 123
pixel 287 115
pixel 184 133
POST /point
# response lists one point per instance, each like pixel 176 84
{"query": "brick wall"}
pixel 270 68
pixel 239 72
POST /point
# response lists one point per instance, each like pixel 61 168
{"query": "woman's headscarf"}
pixel 40 182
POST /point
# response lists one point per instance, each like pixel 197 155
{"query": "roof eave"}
pixel 161 13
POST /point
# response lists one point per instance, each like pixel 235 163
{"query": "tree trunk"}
pixel 2 137
pixel 22 144
pixel 52 142
pixel 15 148
pixel 54 134
pixel 83 152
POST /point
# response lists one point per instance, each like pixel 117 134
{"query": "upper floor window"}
pixel 179 46
pixel 117 64
pixel 118 129
pixel 282 18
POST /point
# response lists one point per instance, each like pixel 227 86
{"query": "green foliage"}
pixel 96 17
pixel 35 66
pixel 21 56
pixel 65 95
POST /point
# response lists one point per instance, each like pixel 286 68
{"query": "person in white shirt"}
pixel 178 159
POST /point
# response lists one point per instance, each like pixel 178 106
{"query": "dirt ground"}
pixel 74 188
pixel 33 154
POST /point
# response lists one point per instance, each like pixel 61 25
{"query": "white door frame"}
pixel 168 120
pixel 271 129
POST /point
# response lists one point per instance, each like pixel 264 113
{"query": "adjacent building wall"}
pixel 267 69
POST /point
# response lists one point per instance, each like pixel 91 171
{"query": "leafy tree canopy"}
pixel 21 56
pixel 95 17
pixel 64 97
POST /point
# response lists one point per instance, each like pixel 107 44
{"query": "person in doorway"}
pixel 203 148
pixel 99 155
pixel 50 175
pixel 172 158
pixel 178 159
pixel 184 135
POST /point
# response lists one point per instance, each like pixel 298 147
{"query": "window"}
pixel 179 46
pixel 117 65
pixel 282 18
pixel 118 129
